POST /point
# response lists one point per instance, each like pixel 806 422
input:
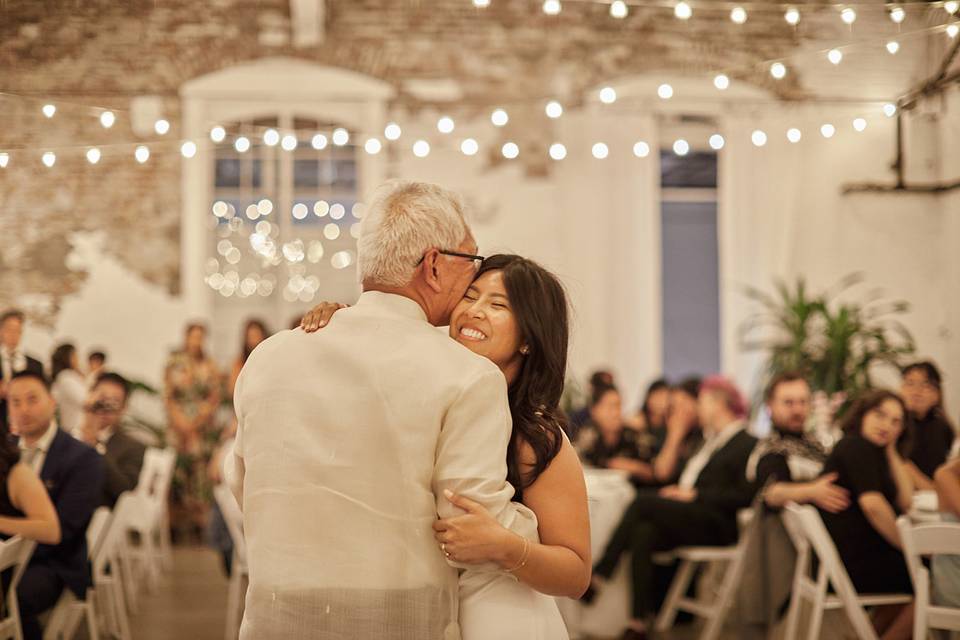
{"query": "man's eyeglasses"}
pixel 455 254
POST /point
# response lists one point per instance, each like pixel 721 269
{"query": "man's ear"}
pixel 430 270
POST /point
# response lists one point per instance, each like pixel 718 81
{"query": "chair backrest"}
pixel 113 535
pixel 14 553
pixel 233 516
pixel 924 540
pixel 156 475
pixel 97 527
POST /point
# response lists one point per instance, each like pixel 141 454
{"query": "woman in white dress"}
pixel 69 387
pixel 515 314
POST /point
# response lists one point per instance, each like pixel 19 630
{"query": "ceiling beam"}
pixel 307 19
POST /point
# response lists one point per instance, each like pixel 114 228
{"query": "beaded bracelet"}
pixel 523 557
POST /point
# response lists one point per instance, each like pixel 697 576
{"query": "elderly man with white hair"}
pixel 349 437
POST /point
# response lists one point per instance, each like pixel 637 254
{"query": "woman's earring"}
pixel 524 350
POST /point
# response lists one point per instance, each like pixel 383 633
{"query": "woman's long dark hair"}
pixel 867 402
pixel 932 374
pixel 60 360
pixel 247 349
pixel 656 385
pixel 539 305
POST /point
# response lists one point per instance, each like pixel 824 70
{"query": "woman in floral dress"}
pixel 192 395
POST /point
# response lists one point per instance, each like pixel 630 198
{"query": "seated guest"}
pixel 869 464
pixel 603 441
pixel 701 509
pixel 790 457
pixel 25 507
pixel 69 388
pixel 651 420
pixel 12 359
pixel 103 430
pixel 578 418
pixel 96 362
pixel 73 475
pixel 683 433
pixel 946 569
pixel 933 435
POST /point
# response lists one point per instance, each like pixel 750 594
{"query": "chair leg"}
pixel 728 589
pixel 125 574
pixel 679 586
pixel 920 602
pixel 90 612
pixel 123 621
pixel 166 548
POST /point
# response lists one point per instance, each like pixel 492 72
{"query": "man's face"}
pixel 30 407
pixel 10 333
pixel 790 405
pixel 457 273
pixel 105 405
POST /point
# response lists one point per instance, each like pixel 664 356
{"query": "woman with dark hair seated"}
pixel 604 441
pixel 869 463
pixel 933 435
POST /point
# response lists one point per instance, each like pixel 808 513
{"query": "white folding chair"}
pixel 233 516
pixel 149 520
pixel 724 584
pixel 811 538
pixel 924 540
pixel 14 555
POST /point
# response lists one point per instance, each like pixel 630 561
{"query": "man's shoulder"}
pixel 71 451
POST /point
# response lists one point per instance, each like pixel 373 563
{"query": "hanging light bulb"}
pixel 469 147
pixel 952 30
pixel 554 109
pixel 717 142
pixel 859 124
pixel 641 149
pixel 421 148
pixel 372 146
pixel 681 147
pixel 600 151
pixel 49 110
pixel 481 4
pixel 893 46
pixel 552 7
pixel 794 135
pixel 618 9
pixel 835 56
pixel 392 131
pixel 608 95
pixel 319 142
pixel 93 155
pixel 792 16
pixel 897 14
pixel 271 137
pixel 289 142
pixel 499 118
pixel 162 127
pixel 242 144
pixel 721 82
pixel 848 15
pixel 445 125
pixel 951 6
pixel 828 130
pixel 49 158
pixel 682 10
pixel 142 154
pixel 188 149
pixel 218 134
pixel 4 160
pixel 665 91
pixel 738 15
pixel 107 119
pixel 558 151
pixel 759 138
pixel 778 70
pixel 340 137
pixel 510 150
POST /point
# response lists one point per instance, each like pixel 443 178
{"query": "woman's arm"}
pixel 28 495
pixel 560 565
pixel 881 516
pixel 947 479
pixel 902 478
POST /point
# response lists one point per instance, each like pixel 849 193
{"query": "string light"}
pixel 608 95
pixel 218 134
pixel 49 158
pixel 4 160
pixel 558 151
pixel 759 138
pixel 794 135
pixel 142 154
pixel 469 147
pixel 681 147
pixel 835 56
pixel 682 11
pixel 953 30
pixel 792 16
pixel 951 6
pixel 289 142
pixel 828 130
pixel 510 150
pixel 665 91
pixel 49 110
pixel 319 142
pixel 552 7
pixel 445 125
pixel 107 119
pixel 619 10
pixel 889 110
pixel 778 70
pixel 340 137
pixel 242 144
pixel 848 15
pixel 188 149
pixel 600 151
pixel 499 118
pixel 93 155
pixel 641 149
pixel 859 124
pixel 717 142
pixel 721 82
pixel 554 109
pixel 271 137
pixel 421 148
pixel 893 46
pixel 738 15
pixel 392 131
pixel 372 146
pixel 162 127
pixel 897 14
pixel 481 4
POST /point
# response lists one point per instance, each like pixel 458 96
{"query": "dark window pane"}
pixel 306 173
pixel 228 172
pixel 257 179
pixel 345 175
pixel 698 169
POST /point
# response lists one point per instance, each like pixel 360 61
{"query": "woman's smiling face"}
pixel 484 322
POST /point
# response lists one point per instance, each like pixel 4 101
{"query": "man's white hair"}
pixel 406 220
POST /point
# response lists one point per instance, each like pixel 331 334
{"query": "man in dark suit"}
pixel 102 429
pixel 73 474
pixel 12 359
pixel 700 510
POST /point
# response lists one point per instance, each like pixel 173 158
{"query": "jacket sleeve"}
pixel 80 495
pixel 732 491
pixel 122 471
